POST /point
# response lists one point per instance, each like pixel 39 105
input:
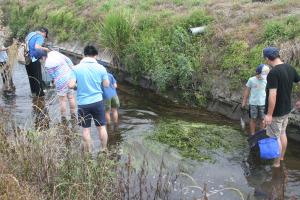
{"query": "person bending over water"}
pixel 59 67
pixel 35 41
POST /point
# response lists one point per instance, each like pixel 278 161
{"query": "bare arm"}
pixel 246 96
pixel 37 46
pixel 271 101
pixel 105 83
pixel 3 49
pixel 271 106
pixel 72 83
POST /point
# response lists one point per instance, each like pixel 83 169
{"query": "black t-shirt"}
pixel 281 77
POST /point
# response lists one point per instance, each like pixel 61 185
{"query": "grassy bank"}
pixel 150 38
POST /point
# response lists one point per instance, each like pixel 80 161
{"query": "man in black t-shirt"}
pixel 278 99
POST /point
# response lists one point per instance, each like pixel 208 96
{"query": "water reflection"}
pixel 268 183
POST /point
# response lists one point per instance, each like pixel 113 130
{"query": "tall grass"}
pixel 40 159
pixel 116 32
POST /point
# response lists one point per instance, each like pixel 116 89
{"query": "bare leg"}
pixel 277 160
pixel 72 103
pixel 115 115
pixel 107 117
pixel 63 105
pixel 63 110
pixel 252 126
pixel 261 124
pixel 86 139
pixel 284 142
pixel 102 136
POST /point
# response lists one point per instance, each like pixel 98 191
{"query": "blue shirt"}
pixel 257 91
pixel 89 76
pixel 35 38
pixel 110 91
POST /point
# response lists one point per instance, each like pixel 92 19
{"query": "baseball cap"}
pixel 44 30
pixel 262 70
pixel 271 53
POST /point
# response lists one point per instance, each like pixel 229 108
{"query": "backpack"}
pixel 27 57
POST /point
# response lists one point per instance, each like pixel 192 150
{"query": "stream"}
pixel 140 113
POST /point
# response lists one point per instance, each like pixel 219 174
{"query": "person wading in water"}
pixel 35 41
pixel 278 100
pixel 90 76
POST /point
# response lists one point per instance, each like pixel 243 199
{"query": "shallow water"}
pixel 140 113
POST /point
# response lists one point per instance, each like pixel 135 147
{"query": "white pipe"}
pixel 197 30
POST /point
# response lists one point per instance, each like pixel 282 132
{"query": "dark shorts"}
pixel 256 112
pixel 91 111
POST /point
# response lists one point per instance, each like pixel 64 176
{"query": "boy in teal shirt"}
pixel 256 92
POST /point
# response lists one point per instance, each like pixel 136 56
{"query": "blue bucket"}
pixel 269 148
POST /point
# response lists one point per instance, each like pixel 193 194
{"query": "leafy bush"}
pixel 235 55
pixel 198 18
pixel 274 31
pixel 288 28
pixel 165 54
pixel 241 62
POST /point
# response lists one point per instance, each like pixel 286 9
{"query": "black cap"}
pixel 44 30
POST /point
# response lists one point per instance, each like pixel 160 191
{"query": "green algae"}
pixel 197 141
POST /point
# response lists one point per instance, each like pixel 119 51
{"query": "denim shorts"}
pixel 91 111
pixel 256 112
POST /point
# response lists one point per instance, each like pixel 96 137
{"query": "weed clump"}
pixel 196 140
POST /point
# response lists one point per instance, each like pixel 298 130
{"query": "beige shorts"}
pixel 278 126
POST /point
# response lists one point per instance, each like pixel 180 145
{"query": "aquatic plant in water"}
pixel 197 140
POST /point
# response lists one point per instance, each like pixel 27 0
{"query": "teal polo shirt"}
pixel 89 76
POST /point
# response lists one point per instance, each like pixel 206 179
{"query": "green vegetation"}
pixel 285 29
pixel 196 140
pixel 40 162
pixel 150 38
pixel 116 33
pixel 48 164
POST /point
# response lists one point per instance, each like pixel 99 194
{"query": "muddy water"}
pixel 139 114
